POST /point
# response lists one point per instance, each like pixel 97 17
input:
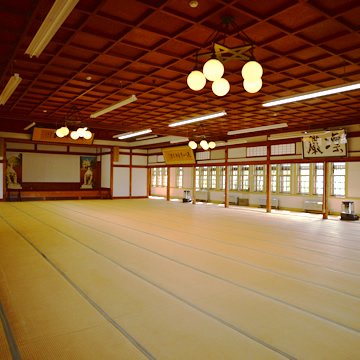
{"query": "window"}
pixel 234 170
pixel 153 176
pixel 180 177
pixel 204 177
pixel 303 178
pixel 244 173
pixel 283 149
pixel 159 177
pixel 338 171
pixel 165 177
pixel 259 178
pixel 285 178
pixel 212 177
pixel 274 178
pixel 197 178
pixel 256 151
pixel 222 177
pixel 318 178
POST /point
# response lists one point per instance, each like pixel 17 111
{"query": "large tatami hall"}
pixel 151 279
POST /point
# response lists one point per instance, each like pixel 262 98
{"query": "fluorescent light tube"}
pixel 314 94
pixel 146 137
pixel 132 134
pixel 259 128
pixel 112 107
pixel 199 118
pixel 10 87
pixel 30 126
pixel 54 19
pixel 179 140
pixel 297 134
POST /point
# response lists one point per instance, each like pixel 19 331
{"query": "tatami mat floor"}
pixel 150 279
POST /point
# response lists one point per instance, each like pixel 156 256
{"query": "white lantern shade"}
pixel 59 134
pixel 81 132
pixel 213 69
pixel 220 87
pixel 87 135
pixel 204 144
pixel 192 144
pixel 252 87
pixel 64 131
pixel 252 71
pixel 196 80
pixel 212 145
pixel 74 135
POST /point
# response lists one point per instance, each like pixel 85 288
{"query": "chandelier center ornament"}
pixel 214 69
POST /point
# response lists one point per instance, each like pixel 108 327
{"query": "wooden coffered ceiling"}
pixel 147 48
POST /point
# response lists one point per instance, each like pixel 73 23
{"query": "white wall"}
pixel 105 171
pixel 121 181
pixel 139 182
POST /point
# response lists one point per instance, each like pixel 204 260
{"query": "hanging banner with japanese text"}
pixel 329 144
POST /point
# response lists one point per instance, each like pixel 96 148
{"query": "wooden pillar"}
pixel 130 175
pixel 194 186
pixel 227 180
pixel 326 191
pixel 268 180
pixel 111 172
pixel 148 181
pixel 168 184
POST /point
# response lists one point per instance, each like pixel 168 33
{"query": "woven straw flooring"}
pixel 151 279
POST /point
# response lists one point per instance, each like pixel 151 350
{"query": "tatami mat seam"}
pixel 199 270
pixel 248 237
pixel 214 317
pixel 218 241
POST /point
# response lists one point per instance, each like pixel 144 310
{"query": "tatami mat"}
pixel 133 279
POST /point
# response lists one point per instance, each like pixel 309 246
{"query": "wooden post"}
pixel 168 184
pixel 148 182
pixel 130 175
pixel 194 186
pixel 227 180
pixel 326 191
pixel 268 180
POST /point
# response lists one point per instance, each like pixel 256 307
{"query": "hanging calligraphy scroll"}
pixel 329 144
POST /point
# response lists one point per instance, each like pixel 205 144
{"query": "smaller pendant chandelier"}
pixel 213 69
pixel 204 144
pixel 81 132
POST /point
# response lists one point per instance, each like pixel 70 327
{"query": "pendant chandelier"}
pixel 213 69
pixel 82 130
pixel 204 144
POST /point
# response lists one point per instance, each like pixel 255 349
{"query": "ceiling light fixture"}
pixel 199 118
pixel 213 69
pixel 146 137
pixel 297 134
pixel 112 107
pixel 54 19
pixel 132 134
pixel 204 144
pixel 314 94
pixel 259 128
pixel 10 87
pixel 179 140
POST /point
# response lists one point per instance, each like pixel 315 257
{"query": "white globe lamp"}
pixel 59 134
pixel 87 135
pixel 213 69
pixel 74 135
pixel 64 131
pixel 192 144
pixel 252 87
pixel 81 132
pixel 212 145
pixel 196 80
pixel 220 87
pixel 252 71
pixel 204 144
